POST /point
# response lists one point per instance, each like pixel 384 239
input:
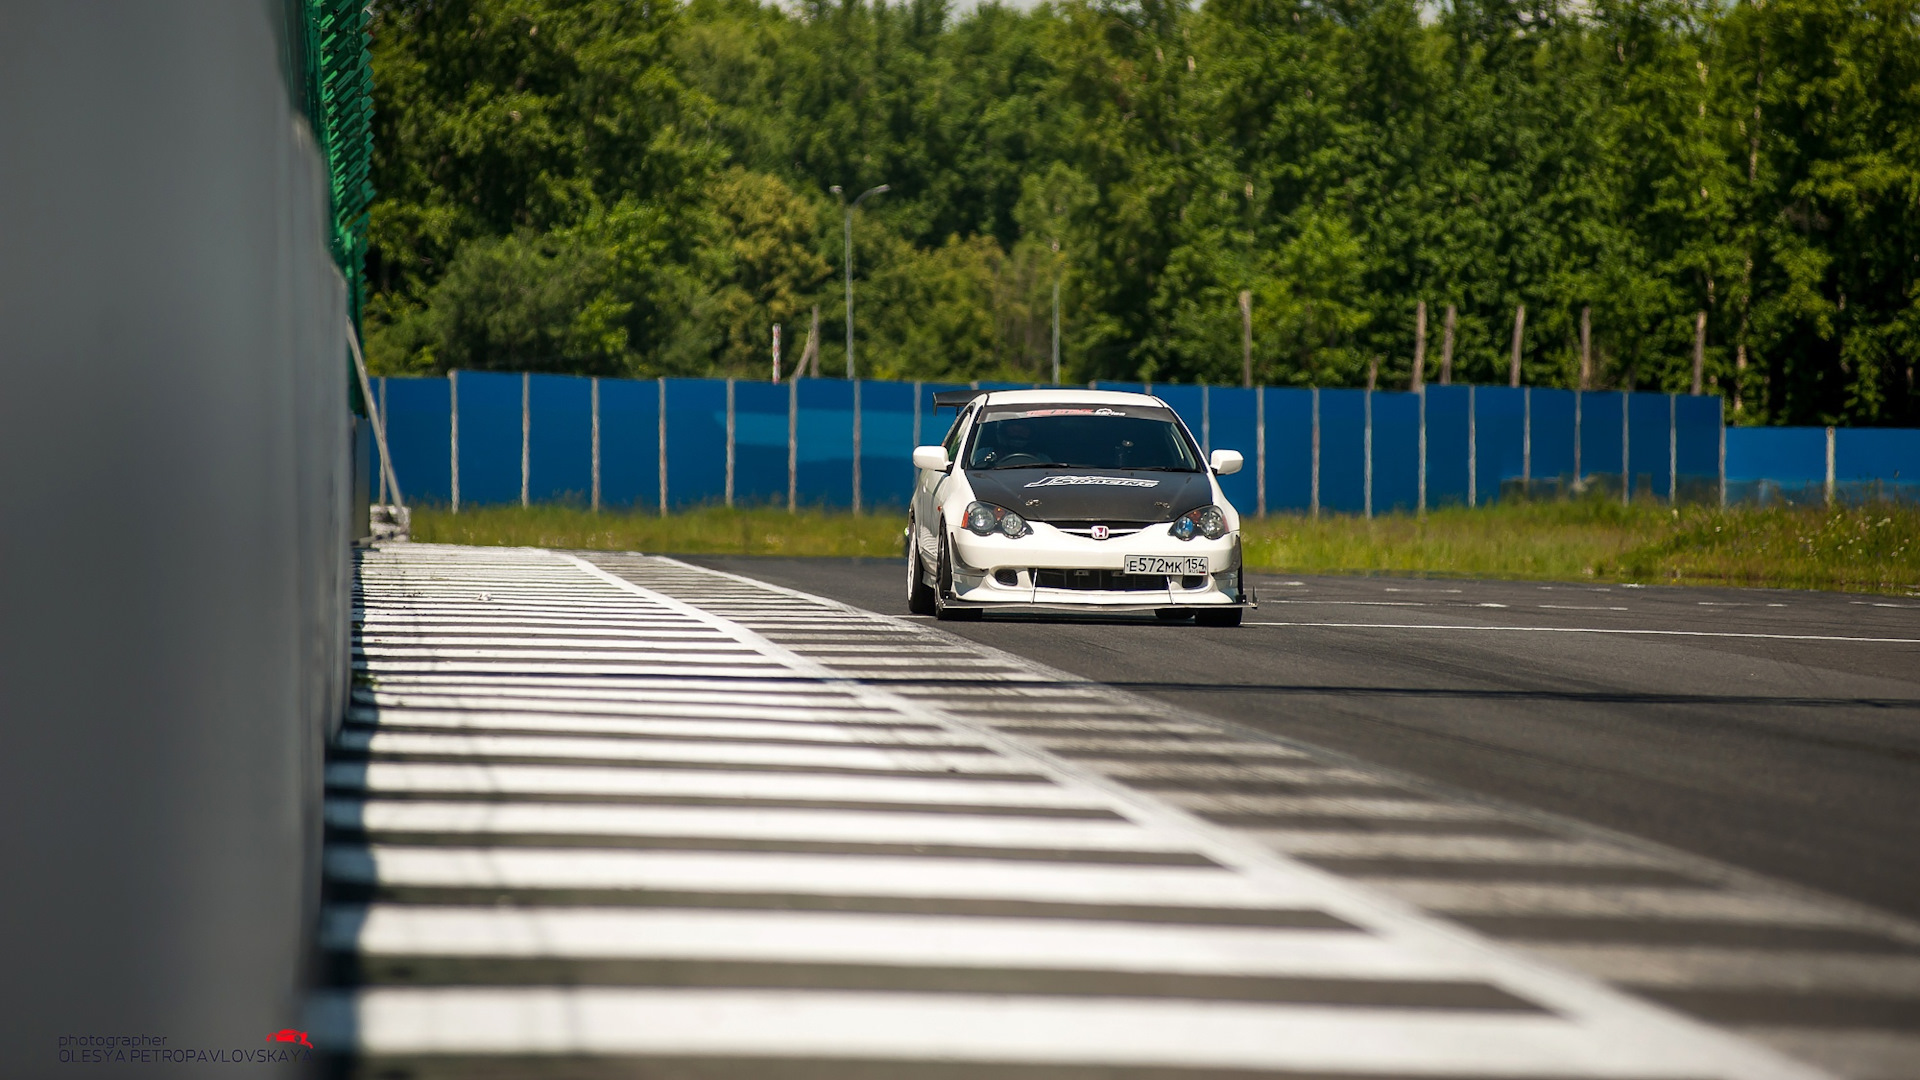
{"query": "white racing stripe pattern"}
pixel 579 825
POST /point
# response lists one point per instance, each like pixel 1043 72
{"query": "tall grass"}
pixel 1866 548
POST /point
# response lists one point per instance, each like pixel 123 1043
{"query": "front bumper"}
pixel 997 572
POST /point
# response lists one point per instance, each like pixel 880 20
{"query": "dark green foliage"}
pixel 640 187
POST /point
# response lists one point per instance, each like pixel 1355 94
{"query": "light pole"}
pixel 848 209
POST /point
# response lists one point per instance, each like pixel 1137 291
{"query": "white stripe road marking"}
pixel 784 872
pixel 531 780
pixel 743 823
pixel 823 730
pixel 995 1028
pixel 1697 967
pixel 906 758
pixel 1329 806
pixel 1612 901
pixel 1595 630
pixel 867 938
pixel 1475 849
pixel 1583 1000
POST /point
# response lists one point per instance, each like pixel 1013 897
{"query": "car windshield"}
pixel 1080 437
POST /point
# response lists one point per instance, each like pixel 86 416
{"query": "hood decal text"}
pixel 1092 481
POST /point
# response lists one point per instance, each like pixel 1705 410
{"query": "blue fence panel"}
pixel 696 442
pixel 489 404
pixel 1873 463
pixel 934 425
pixel 560 439
pixel 759 444
pixel 1120 387
pixel 629 443
pixel 1650 451
pixel 826 443
pixel 1343 449
pixel 886 445
pixel 989 384
pixel 1499 423
pixel 1552 412
pixel 1446 445
pixel 1396 452
pixel 1289 450
pixel 1768 464
pixel 1697 424
pixel 1185 402
pixel 1600 445
pixel 1235 426
pixel 418 420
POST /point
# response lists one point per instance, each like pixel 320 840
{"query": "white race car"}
pixel 1072 500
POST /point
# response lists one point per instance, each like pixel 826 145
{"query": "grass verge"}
pixel 1868 548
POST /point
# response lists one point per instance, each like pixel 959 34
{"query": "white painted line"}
pixel 1464 849
pixel 784 872
pixel 800 726
pixel 1580 607
pixel 529 780
pixel 1608 901
pixel 1328 806
pixel 1595 630
pixel 742 823
pixel 892 940
pixel 997 1028
pixel 906 758
pixel 1736 969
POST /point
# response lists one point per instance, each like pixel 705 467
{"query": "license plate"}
pixel 1162 564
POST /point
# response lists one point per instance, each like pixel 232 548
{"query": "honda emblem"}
pixel 1100 532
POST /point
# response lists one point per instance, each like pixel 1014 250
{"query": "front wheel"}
pixel 943 589
pixel 919 593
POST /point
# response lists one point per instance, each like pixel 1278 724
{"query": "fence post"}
pixel 1246 338
pixel 1367 485
pixel 793 443
pixel 1699 348
pixel 1579 478
pixel 1314 491
pixel 1473 450
pixel 1519 334
pixel 1446 348
pixel 1829 465
pixel 384 426
pixel 1260 450
pixel 1673 449
pixel 1420 345
pixel 1526 441
pixel 1586 349
pixel 596 445
pixel 730 437
pixel 1626 453
pixel 1422 391
pixel 662 381
pixel 916 414
pixel 1206 420
pixel 453 436
pixel 1723 457
pixel 856 446
pixel 526 432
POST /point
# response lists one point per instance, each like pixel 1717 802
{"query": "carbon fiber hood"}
pixel 1097 495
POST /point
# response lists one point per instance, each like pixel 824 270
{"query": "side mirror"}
pixel 1227 462
pixel 930 457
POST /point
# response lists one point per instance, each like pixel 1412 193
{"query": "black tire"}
pixel 1227 617
pixel 943 585
pixel 1172 614
pixel 919 593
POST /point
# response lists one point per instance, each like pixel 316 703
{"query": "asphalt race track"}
pixel 1775 731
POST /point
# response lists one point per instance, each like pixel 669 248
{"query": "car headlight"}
pixel 985 519
pixel 1208 521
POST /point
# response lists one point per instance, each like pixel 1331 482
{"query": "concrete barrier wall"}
pixel 175 423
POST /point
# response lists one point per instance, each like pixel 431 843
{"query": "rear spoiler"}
pixel 955 399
